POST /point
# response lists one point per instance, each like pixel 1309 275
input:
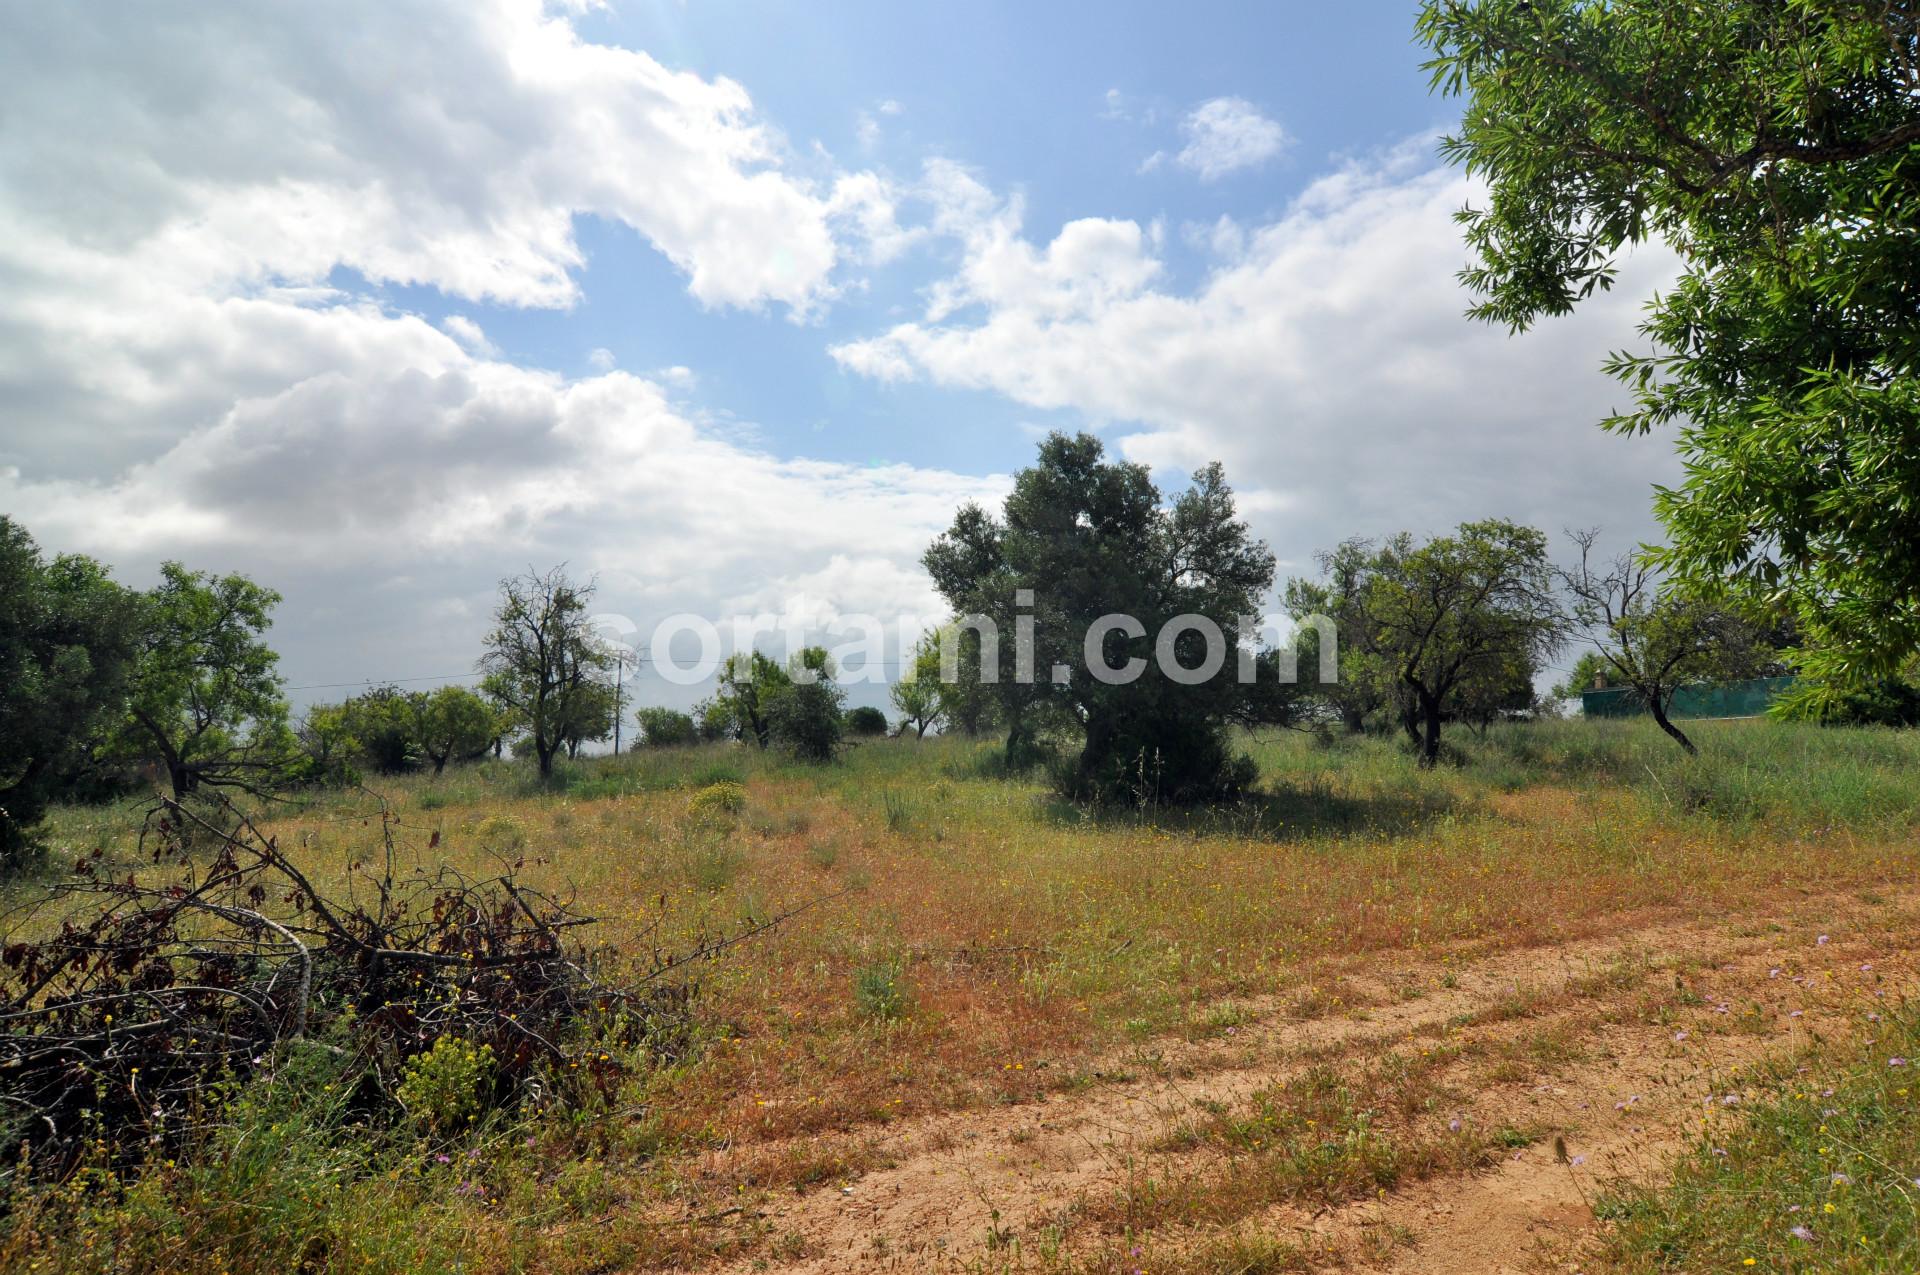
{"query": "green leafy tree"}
pixel 1656 639
pixel 328 753
pixel 204 698
pixel 866 722
pixel 66 645
pixel 1363 693
pixel 589 717
pixel 1447 616
pixel 750 682
pixel 1771 144
pixel 917 695
pixel 804 715
pixel 383 724
pixel 452 724
pixel 543 663
pixel 666 728
pixel 1082 538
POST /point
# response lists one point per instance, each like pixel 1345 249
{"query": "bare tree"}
pixel 1657 639
pixel 543 660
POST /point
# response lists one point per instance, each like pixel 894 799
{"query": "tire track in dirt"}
pixel 962 1185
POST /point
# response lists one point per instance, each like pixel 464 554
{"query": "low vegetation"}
pixel 973 942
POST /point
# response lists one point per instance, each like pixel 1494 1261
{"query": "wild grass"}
pixel 998 942
pixel 1825 1176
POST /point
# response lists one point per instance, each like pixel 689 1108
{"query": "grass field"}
pixel 1294 1021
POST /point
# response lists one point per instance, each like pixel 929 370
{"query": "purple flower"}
pixel 444 1158
pixel 1801 1233
pixel 1896 1062
pixel 1680 1035
pixel 1821 941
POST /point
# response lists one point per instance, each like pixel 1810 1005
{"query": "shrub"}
pixel 805 720
pixel 866 722
pixel 724 798
pixel 666 728
pixel 445 1089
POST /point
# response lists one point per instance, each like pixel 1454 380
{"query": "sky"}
pixel 730 305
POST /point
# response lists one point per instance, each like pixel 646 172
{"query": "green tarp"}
pixel 1732 699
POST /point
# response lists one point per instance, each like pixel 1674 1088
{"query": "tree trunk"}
pixel 1430 740
pixel 440 761
pixel 1658 704
pixel 545 752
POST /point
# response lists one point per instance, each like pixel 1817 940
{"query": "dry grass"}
pixel 1024 940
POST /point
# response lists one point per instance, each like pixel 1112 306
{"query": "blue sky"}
pixel 1023 93
pixel 730 305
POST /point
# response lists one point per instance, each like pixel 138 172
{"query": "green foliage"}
pixel 1088 538
pixel 666 728
pixel 724 798
pixel 866 722
pixel 1453 628
pixel 917 695
pixel 204 699
pixel 66 644
pixel 452 724
pixel 1770 143
pixel 444 1089
pixel 805 719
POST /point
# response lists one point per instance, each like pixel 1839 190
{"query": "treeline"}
pixel 1458 629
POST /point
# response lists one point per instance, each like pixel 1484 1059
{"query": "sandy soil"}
pixel 997 1189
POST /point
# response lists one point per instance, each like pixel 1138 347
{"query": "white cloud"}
pixel 191 367
pixel 1226 135
pixel 469 334
pixel 1325 360
pixel 601 359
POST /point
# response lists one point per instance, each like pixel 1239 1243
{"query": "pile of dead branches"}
pixel 138 995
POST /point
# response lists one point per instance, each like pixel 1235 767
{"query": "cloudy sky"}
pixel 731 303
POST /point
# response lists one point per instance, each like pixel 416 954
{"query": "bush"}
pixel 446 1088
pixel 724 798
pixel 805 720
pixel 865 722
pixel 666 728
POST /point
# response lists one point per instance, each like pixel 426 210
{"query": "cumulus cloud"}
pixel 1324 358
pixel 1226 135
pixel 191 208
pixel 402 531
pixel 155 161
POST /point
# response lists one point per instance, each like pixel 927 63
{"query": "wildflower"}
pixel 1896 1062
pixel 1841 1179
pixel 1821 941
pixel 1801 1233
pixel 1680 1035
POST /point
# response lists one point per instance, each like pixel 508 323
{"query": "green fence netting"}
pixel 1730 699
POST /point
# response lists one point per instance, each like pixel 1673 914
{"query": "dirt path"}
pixel 1618 1047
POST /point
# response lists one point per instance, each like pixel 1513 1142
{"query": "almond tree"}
pixel 543 661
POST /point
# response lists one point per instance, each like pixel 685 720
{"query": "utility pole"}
pixel 619 703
